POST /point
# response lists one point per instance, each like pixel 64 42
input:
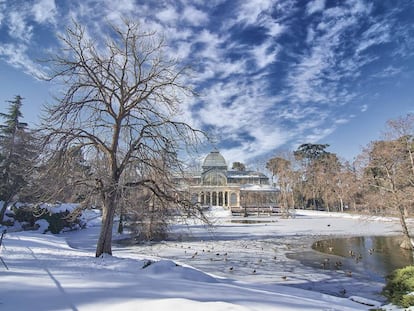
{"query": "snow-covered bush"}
pixel 56 216
pixel 43 225
pixel 400 287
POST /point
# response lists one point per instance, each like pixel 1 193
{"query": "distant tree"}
pixel 389 172
pixel 310 152
pixel 238 166
pixel 282 170
pixel 327 176
pixel 17 154
pixel 349 190
pixel 402 129
pixel 311 158
pixel 120 106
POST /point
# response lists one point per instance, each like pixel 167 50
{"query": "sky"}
pixel 270 74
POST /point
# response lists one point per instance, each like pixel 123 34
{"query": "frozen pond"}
pixel 379 255
pixel 271 250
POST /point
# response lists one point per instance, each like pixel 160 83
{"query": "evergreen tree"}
pixel 16 154
pixel 311 157
pixel 238 166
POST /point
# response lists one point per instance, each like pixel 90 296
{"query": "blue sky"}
pixel 271 74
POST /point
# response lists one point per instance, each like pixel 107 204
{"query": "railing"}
pixel 255 211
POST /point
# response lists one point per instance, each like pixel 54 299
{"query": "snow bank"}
pixel 304 212
pixel 46 274
pixel 167 269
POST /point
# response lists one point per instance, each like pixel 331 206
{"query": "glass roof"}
pixel 214 160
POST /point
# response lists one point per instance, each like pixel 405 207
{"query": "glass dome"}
pixel 214 160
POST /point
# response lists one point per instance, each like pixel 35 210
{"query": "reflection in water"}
pixel 376 255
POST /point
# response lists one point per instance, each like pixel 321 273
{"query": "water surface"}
pixel 377 255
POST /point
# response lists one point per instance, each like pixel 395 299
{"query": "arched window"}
pixel 214 179
pixel 233 199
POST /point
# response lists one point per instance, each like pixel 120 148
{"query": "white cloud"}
pixel 266 140
pixel 118 10
pixel 232 108
pixel 182 50
pixel 16 55
pixel 341 121
pixel 44 11
pixel 274 29
pixel 211 42
pixel 317 134
pixel 376 34
pixel 317 76
pixel 364 108
pixel 258 13
pixel 18 27
pixel 2 10
pixel 315 6
pixel 305 78
pixel 226 69
pixel 310 36
pixel 168 15
pixel 360 6
pixel 194 17
pixel 252 11
pixel 265 54
pixel 388 72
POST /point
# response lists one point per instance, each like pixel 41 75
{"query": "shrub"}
pixel 400 287
pixel 58 221
pixel 24 214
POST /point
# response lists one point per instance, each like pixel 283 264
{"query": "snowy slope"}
pixel 46 274
pixel 49 272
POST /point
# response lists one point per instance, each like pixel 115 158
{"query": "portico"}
pixel 225 196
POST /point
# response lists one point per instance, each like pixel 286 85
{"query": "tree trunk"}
pixel 104 245
pixel 313 199
pixel 406 213
pixel 3 210
pixel 327 207
pixel 341 204
pixel 406 244
pixel 121 223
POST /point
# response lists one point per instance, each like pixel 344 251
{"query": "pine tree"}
pixel 16 154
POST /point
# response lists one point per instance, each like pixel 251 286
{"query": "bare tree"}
pixel 281 168
pixel 120 107
pixel 402 129
pixel 327 175
pixel 389 181
pixel 349 186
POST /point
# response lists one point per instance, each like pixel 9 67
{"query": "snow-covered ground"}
pixel 233 266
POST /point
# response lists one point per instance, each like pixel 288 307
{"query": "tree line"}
pixel 379 181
